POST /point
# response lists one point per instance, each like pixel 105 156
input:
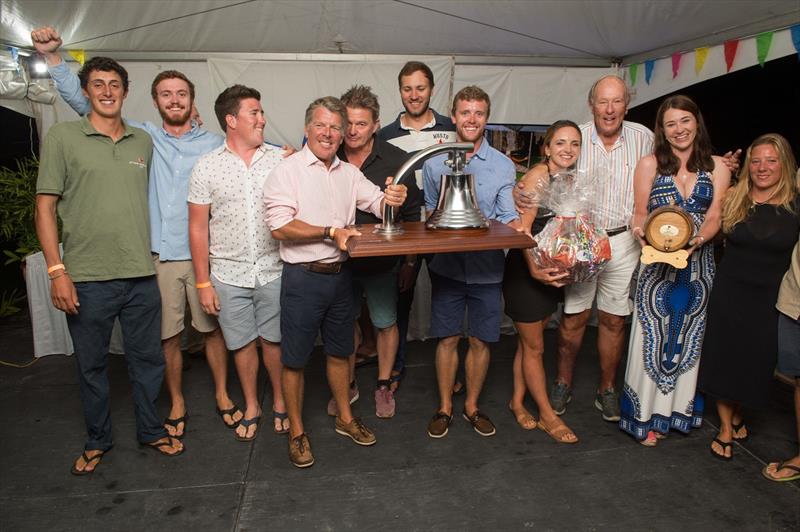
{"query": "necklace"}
pixel 771 195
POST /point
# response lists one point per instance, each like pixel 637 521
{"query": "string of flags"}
pixel 730 48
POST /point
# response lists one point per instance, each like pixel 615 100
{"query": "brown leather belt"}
pixel 616 231
pixel 322 267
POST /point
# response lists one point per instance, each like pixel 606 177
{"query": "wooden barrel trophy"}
pixel 667 230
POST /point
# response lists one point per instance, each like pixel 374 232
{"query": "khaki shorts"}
pixel 176 284
pixel 612 287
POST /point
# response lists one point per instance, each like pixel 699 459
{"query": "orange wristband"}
pixel 55 267
pixel 206 284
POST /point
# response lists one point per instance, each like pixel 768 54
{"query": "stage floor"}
pixel 515 480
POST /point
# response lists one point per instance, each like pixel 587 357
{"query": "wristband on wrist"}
pixel 56 276
pixel 326 233
pixel 701 238
pixel 332 232
pixel 55 267
pixel 206 284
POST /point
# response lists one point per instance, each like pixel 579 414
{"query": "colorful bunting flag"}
pixel 763 42
pixel 633 69
pixel 676 64
pixel 796 38
pixel 730 52
pixel 78 55
pixel 700 56
pixel 648 70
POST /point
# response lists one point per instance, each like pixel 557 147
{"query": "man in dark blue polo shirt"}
pixel 416 128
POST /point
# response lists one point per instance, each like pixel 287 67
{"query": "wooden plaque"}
pixel 668 228
pixel 417 239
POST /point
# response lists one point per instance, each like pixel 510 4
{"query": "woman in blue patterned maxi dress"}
pixel 670 303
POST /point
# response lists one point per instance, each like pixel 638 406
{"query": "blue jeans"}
pixel 137 304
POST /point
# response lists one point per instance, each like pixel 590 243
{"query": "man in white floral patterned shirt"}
pixel 228 236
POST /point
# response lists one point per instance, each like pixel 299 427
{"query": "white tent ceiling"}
pixel 536 58
pixel 563 32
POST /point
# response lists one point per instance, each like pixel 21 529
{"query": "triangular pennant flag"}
pixel 676 64
pixel 763 42
pixel 78 55
pixel 633 69
pixel 730 52
pixel 796 38
pixel 648 69
pixel 700 56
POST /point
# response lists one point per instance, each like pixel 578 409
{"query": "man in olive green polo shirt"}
pixel 93 174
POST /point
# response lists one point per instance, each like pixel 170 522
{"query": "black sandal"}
pixel 736 429
pixel 725 445
pixel 174 424
pixel 230 412
pixel 158 445
pixel 87 460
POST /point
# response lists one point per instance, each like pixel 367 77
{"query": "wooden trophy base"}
pixel 675 258
pixel 417 239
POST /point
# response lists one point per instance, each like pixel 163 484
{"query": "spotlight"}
pixel 39 67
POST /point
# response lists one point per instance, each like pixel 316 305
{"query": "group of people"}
pixel 252 238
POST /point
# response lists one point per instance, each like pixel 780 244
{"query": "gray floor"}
pixel 516 480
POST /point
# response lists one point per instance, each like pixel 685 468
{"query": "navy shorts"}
pixel 788 346
pixel 482 302
pixel 315 302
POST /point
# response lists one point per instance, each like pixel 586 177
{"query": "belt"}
pixel 322 267
pixel 617 230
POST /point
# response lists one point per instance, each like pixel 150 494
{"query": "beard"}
pixel 181 120
pixel 418 114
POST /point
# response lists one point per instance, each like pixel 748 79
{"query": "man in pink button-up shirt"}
pixel 311 200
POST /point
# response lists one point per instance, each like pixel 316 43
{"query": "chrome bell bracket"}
pixel 457 161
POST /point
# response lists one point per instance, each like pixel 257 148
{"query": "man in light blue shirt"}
pixel 177 144
pixel 469 281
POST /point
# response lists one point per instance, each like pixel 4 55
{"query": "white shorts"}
pixel 612 287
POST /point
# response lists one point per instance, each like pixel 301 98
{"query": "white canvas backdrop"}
pixel 287 87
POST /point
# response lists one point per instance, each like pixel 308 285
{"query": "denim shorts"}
pixel 788 345
pixel 482 302
pixel 381 292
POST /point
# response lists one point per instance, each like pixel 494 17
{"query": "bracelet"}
pixel 701 238
pixel 55 267
pixel 206 284
pixel 326 232
pixel 333 232
pixel 54 277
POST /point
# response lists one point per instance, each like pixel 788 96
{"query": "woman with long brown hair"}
pixel 670 303
pixel 532 293
pixel 761 221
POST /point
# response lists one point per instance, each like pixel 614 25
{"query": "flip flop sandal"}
pixel 246 424
pixel 651 440
pixel 170 422
pixel 778 466
pixel 736 429
pixel 230 412
pixel 525 421
pixel 157 446
pixel 724 445
pixel 282 416
pixel 87 460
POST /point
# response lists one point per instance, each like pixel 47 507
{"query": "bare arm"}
pixel 300 230
pixel 198 246
pixel 47 41
pixel 721 177
pixel 642 183
pixel 62 290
